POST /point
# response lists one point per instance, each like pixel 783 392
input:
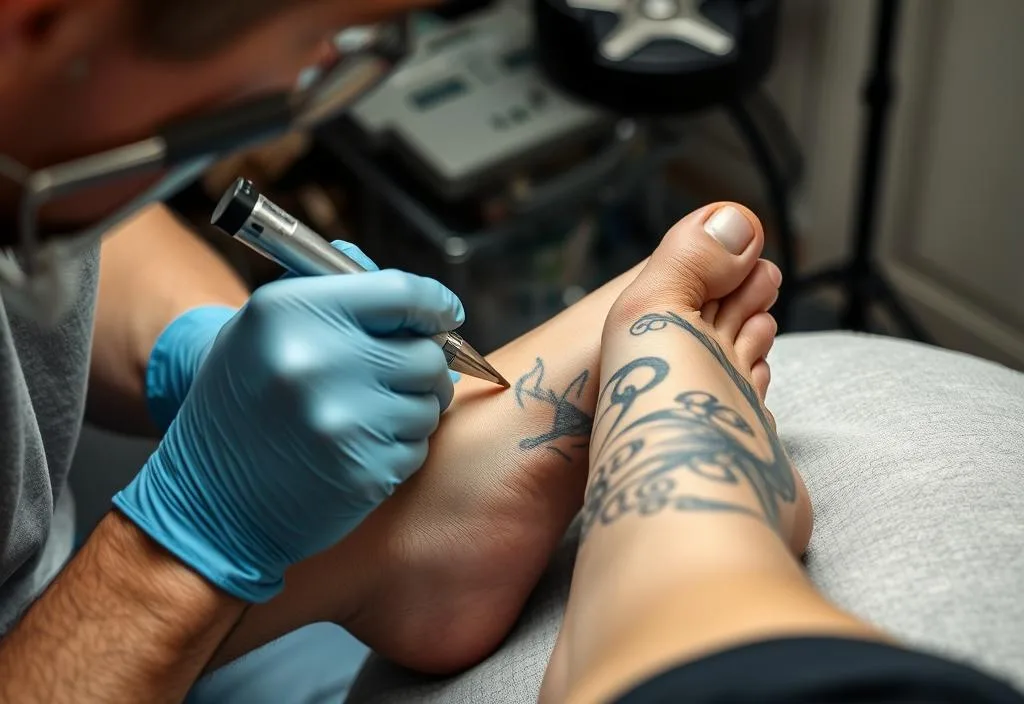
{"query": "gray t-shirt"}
pixel 43 375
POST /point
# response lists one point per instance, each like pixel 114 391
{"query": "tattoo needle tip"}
pixel 469 361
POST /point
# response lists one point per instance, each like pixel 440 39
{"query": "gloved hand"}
pixel 184 344
pixel 314 404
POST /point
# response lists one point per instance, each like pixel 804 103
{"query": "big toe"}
pixel 705 256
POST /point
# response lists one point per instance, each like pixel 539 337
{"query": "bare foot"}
pixel 462 545
pixel 743 318
pixel 667 310
pixel 686 468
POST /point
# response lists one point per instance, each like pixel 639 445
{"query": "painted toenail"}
pixel 730 229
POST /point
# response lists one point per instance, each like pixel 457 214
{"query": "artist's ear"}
pixel 42 40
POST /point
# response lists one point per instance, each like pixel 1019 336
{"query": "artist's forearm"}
pixel 152 269
pixel 125 622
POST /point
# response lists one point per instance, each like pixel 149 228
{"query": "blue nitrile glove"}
pixel 184 344
pixel 314 404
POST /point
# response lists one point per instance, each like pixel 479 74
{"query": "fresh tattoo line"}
pixel 640 464
pixel 569 421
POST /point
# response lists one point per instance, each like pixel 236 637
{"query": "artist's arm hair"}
pixel 125 622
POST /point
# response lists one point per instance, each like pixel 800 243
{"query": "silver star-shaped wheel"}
pixel 644 21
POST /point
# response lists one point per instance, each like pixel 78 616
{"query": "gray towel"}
pixel 914 458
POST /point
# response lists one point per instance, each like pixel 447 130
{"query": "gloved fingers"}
pixel 414 418
pixel 355 253
pixel 445 389
pixel 415 366
pixel 391 302
pixel 408 457
pixel 352 252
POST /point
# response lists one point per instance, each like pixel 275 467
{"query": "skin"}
pixel 53 113
pixel 452 557
pixel 127 638
pixel 152 270
pixel 146 623
pixel 101 634
pixel 653 589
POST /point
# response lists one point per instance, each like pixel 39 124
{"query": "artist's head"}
pixel 79 76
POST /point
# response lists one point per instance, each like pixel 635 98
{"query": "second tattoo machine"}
pixel 253 219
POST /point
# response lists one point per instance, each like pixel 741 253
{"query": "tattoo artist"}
pixel 233 496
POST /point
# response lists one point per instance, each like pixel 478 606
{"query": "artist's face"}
pixel 71 83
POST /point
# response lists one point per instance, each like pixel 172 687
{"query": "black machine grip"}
pixel 232 128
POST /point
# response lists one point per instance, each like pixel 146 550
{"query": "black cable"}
pixel 864 283
pixel 878 97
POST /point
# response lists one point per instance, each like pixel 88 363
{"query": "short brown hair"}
pixel 192 29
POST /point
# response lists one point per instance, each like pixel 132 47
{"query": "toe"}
pixel 755 339
pixel 761 377
pixel 710 311
pixel 705 256
pixel 755 295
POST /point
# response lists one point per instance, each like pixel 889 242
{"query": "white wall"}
pixel 954 194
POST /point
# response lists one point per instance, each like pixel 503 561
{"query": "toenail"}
pixel 731 229
pixel 775 274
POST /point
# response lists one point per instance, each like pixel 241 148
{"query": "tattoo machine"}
pixel 254 220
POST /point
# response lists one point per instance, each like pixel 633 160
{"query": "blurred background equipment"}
pixel 945 228
pixel 469 111
pixel 529 150
pixel 657 57
pixel 468 163
pixel 494 161
pixel 664 59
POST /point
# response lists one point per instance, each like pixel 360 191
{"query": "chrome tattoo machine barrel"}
pixel 253 219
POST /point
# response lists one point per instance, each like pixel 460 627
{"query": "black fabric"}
pixel 822 671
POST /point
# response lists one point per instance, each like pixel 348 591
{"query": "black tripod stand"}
pixel 863 281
